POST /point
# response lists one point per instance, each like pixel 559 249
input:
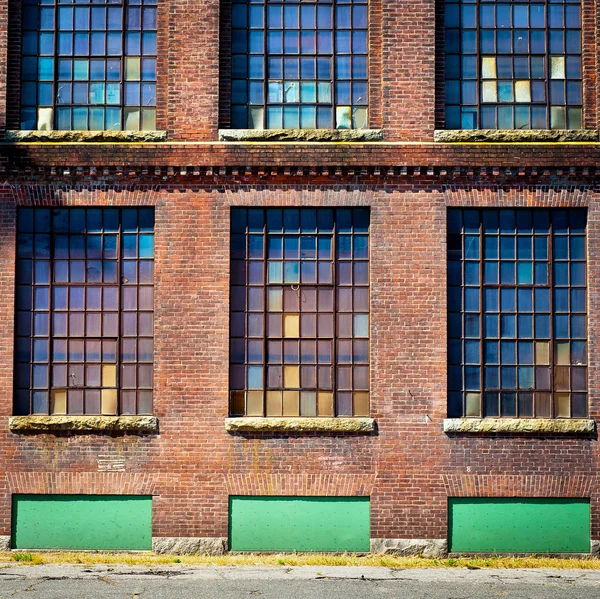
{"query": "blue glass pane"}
pixel 524 273
pixel 472 299
pixel 471 273
pixel 472 378
pixel 525 377
pixel 561 273
pixel 542 326
pixel 507 273
pixel 471 325
pixel 255 377
pixel 507 248
pixel 578 273
pixel 490 247
pixel 525 326
pixel 525 352
pixel 508 325
pixel 577 300
pixel 541 273
pixel 508 377
pixel 578 328
pixel 561 326
pixel 561 300
pixel 490 322
pixel 490 299
pixel 472 349
pixel 491 352
pixel 471 247
pixel 490 272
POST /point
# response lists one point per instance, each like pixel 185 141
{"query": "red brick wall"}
pixel 408 468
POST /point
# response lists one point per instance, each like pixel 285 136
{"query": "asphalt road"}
pixel 183 582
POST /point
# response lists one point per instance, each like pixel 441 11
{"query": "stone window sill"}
pixel 515 135
pixel 83 424
pixel 520 425
pixel 85 136
pixel 301 135
pixel 300 425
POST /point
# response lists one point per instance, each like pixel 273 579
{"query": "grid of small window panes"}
pixel 299 65
pixel 513 65
pixel 517 332
pixel 299 312
pixel 88 65
pixel 84 311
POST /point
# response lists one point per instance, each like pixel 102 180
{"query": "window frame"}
pixel 338 118
pixel 466 407
pixel 51 390
pixel 237 410
pixel 146 112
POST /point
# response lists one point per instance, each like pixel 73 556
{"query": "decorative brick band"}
pixel 81 483
pixel 484 485
pixel 520 425
pixel 300 425
pixel 83 424
pixel 303 485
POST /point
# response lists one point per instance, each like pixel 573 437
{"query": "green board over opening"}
pixel 519 525
pixel 82 522
pixel 299 523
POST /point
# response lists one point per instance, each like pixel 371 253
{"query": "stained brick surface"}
pixel 409 467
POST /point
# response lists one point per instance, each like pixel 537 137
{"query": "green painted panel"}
pixel 519 525
pixel 82 522
pixel 299 523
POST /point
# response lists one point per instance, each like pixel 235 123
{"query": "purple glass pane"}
pixel 92 401
pixel 75 401
pixel 129 324
pixel 110 324
pixel 92 375
pixel 76 324
pixel 344 404
pixel 59 324
pixel 110 298
pixel 145 322
pixel 129 298
pixel 128 377
pixel 145 402
pixel 93 325
pixel 128 350
pixel 146 272
pixel 145 350
pixel 128 402
pixel 145 376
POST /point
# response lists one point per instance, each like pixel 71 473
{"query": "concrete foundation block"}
pixel 405 547
pixel 4 543
pixel 190 545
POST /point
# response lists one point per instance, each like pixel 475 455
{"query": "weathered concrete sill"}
pixel 85 136
pixel 514 135
pixel 48 424
pixel 355 135
pixel 519 425
pixel 300 425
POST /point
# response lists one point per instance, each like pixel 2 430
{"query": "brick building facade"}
pixel 418 446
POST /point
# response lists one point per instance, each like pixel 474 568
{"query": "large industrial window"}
pixel 299 312
pixel 299 65
pixel 513 64
pixel 517 331
pixel 84 311
pixel 88 65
